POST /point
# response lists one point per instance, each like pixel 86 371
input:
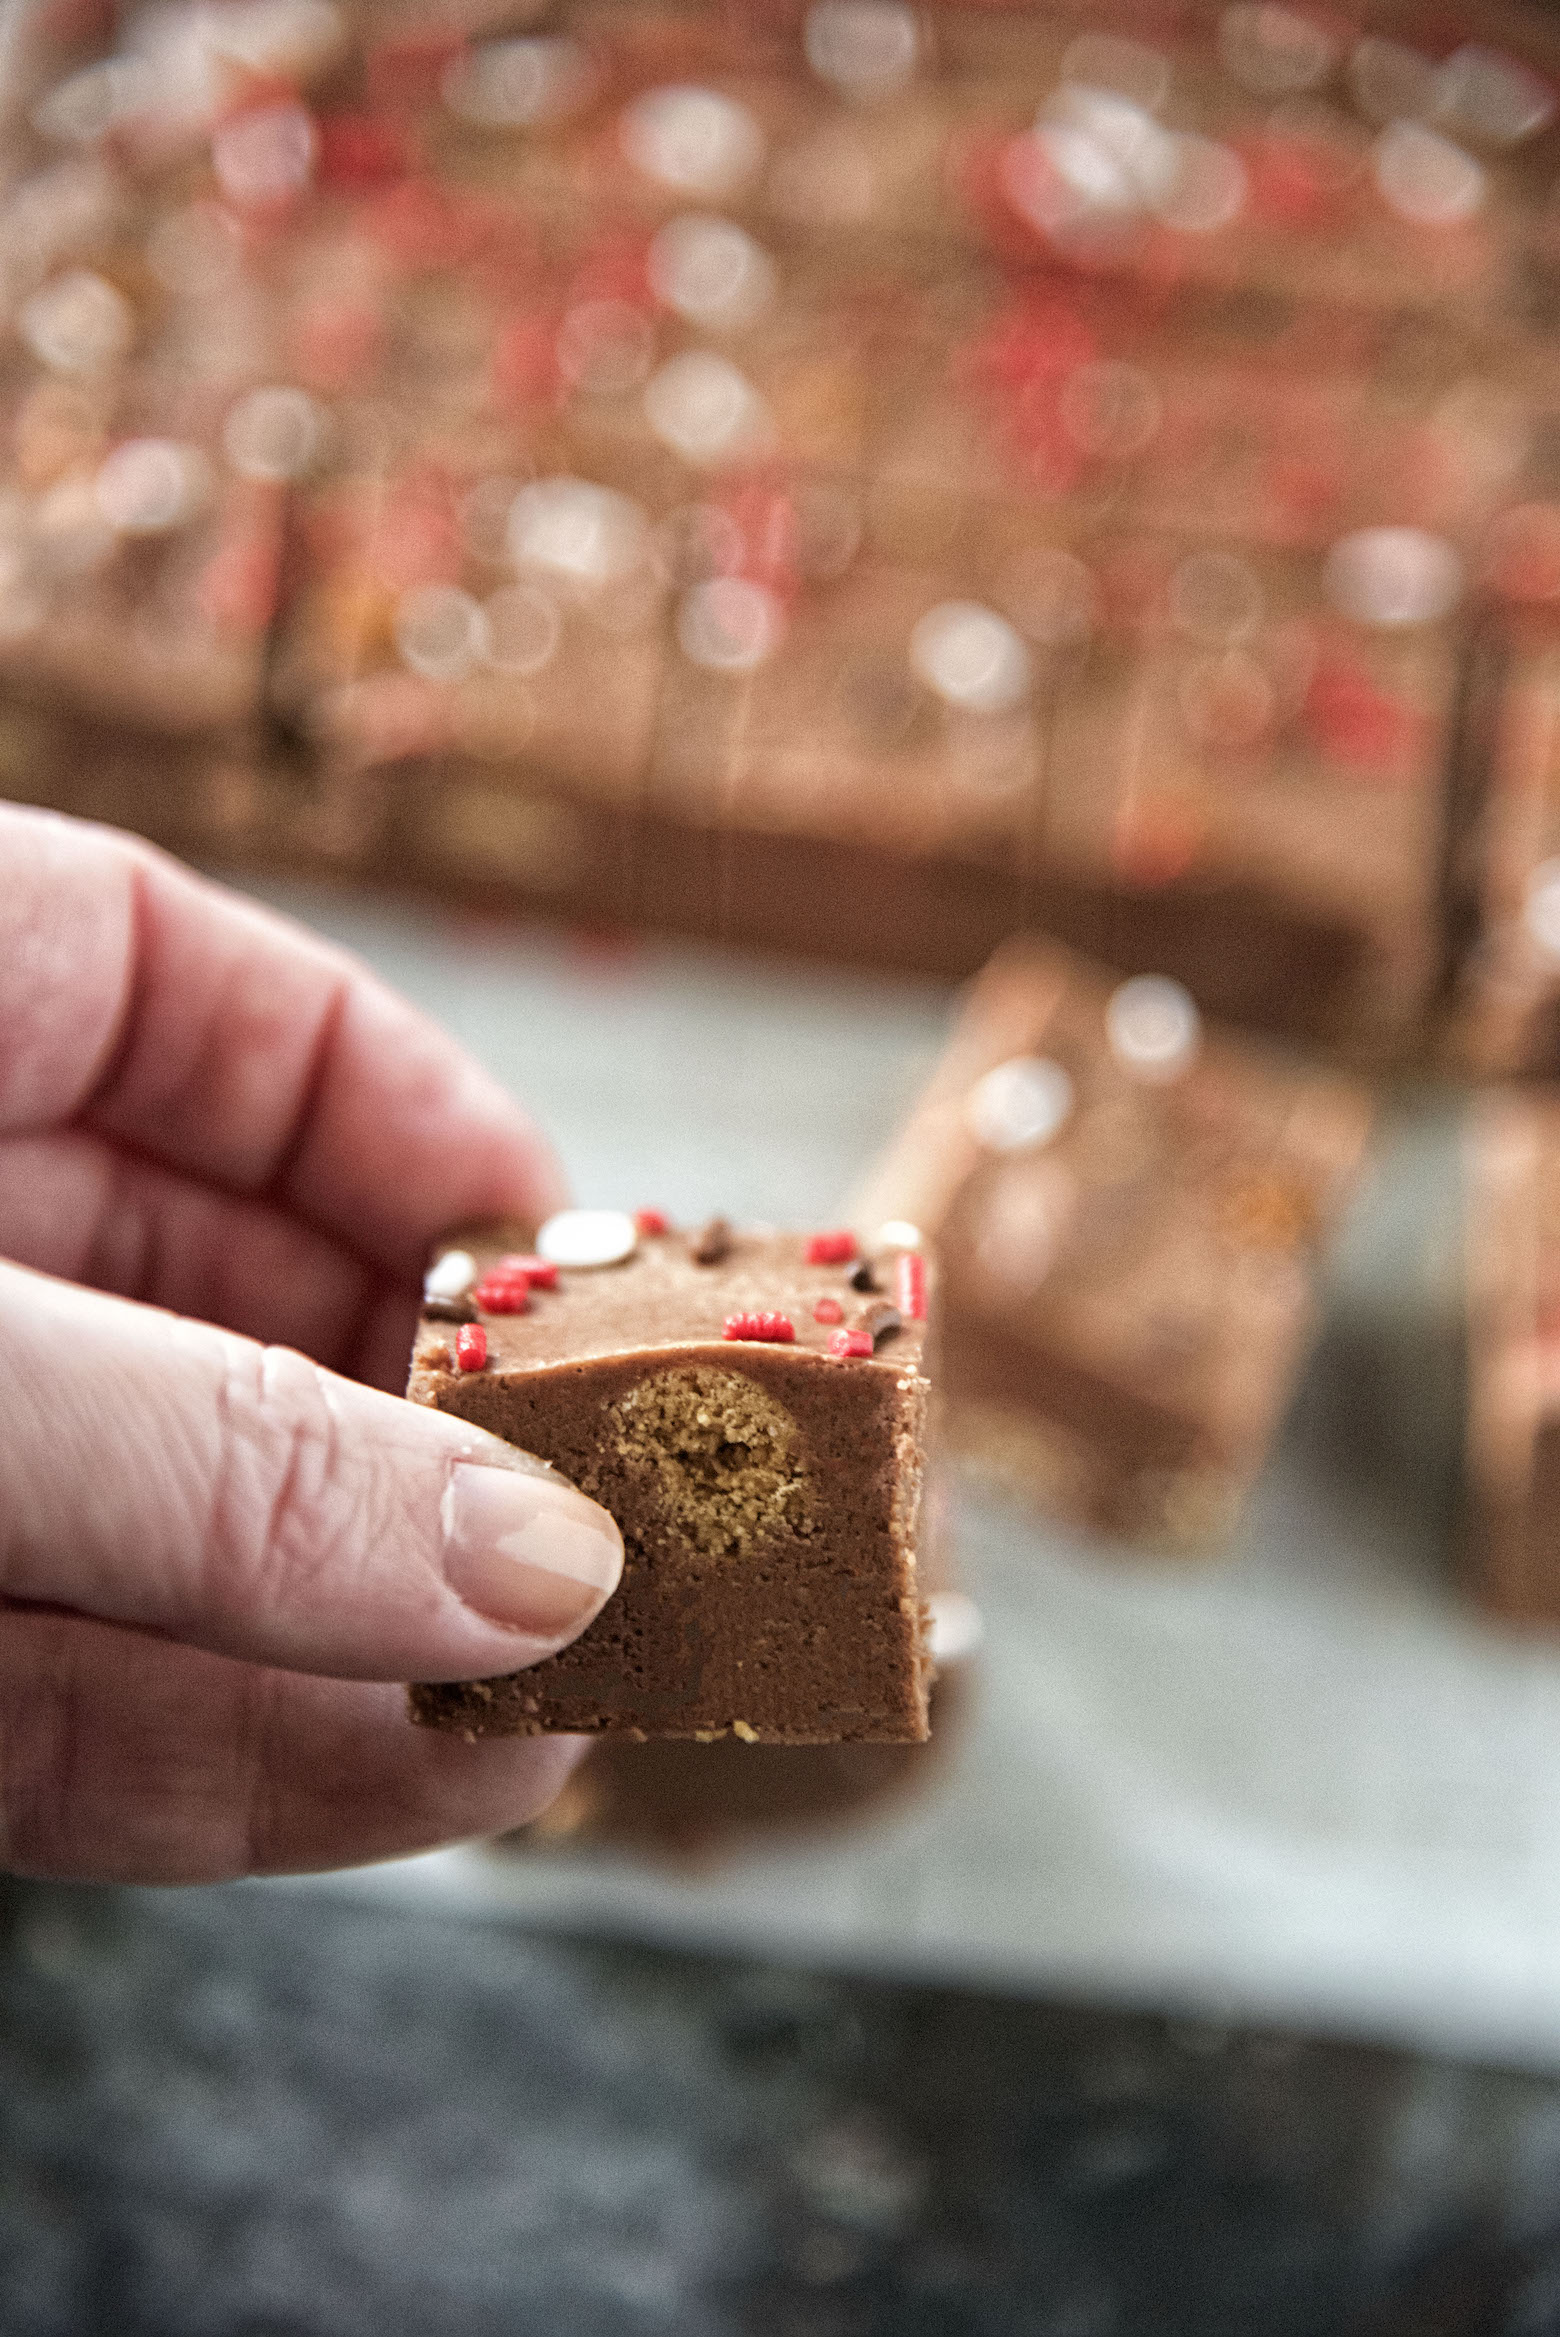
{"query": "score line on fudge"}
pixel 751 1407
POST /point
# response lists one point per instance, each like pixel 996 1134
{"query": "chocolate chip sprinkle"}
pixel 449 1310
pixel 712 1242
pixel 861 1276
pixel 879 1319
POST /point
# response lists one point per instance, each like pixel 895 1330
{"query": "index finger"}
pixel 141 1000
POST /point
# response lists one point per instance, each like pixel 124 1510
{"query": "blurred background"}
pixel 677 531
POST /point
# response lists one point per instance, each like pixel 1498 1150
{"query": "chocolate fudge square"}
pixel 1128 1212
pixel 1513 1295
pixel 751 1407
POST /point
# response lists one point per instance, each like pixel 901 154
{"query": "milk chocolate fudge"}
pixel 751 1407
pixel 695 1804
pixel 1513 1297
pixel 1128 1211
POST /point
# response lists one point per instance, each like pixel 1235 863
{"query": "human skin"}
pixel 225 1150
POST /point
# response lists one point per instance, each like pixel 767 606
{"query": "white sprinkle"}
pixel 273 433
pixel 693 139
pixel 79 323
pixel 149 485
pixel 588 534
pixel 1274 50
pixel 266 156
pixel 1393 576
pixel 440 631
pixel 954 1626
pixel 971 657
pixel 729 624
pixel 702 407
pixel 587 1237
pixel 450 1276
pixel 511 85
pixel 1153 1026
pixel 1023 1102
pixel 897 1233
pixel 1492 96
pixel 1425 178
pixel 711 272
pixel 865 48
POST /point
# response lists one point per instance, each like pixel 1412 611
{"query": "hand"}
pixel 218 1558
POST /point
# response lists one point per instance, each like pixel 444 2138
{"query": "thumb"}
pixel 160 1472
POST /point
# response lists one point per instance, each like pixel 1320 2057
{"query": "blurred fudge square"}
pixel 1129 1213
pixel 446 608
pixel 751 1407
pixel 1252 760
pixel 1506 863
pixel 1513 1297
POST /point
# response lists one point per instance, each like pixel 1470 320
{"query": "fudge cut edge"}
pixel 769 1586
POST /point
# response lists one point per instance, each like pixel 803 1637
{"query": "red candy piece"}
pixel 828 1310
pixel 776 1330
pixel 471 1347
pixel 503 1294
pixel 910 1286
pixel 541 1273
pixel 830 1249
pixel 649 1222
pixel 851 1343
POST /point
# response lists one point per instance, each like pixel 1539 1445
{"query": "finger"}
pixel 164 1473
pixel 229 1044
pixel 75 1205
pixel 127 1759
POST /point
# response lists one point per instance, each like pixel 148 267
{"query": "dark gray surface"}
pixel 249 2113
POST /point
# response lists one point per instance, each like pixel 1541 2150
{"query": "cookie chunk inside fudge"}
pixel 751 1407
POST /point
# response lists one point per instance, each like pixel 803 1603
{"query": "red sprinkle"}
pixel 828 1310
pixel 851 1343
pixel 650 1222
pixel 910 1286
pixel 471 1347
pixel 541 1273
pixel 830 1249
pixel 503 1294
pixel 779 1330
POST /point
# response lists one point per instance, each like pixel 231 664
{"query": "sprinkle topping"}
pixel 471 1347
pixel 587 1237
pixel 845 1343
pixel 1023 1102
pixel 897 1233
pixel 828 1310
pixel 910 1287
pixel 711 1243
pixel 537 1271
pixel 503 1294
pixel 649 1223
pixel 831 1249
pixel 1153 1027
pixel 774 1329
pixel 450 1276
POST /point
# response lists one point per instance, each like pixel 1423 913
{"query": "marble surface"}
pixel 244 2113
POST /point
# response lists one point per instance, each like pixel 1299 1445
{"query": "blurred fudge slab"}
pixel 1129 1211
pixel 1513 1444
pixel 1505 863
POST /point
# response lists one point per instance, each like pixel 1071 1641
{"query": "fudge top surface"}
pixel 660 1297
pixel 1105 1179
